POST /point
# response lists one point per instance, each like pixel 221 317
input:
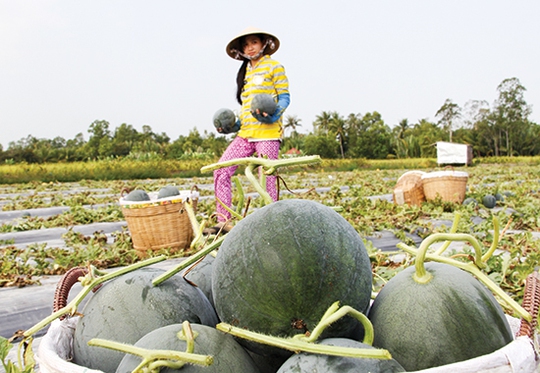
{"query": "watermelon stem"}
pixel 89 282
pixel 421 276
pixel 269 166
pixel 296 345
pixel 187 335
pixel 195 226
pixel 155 358
pixel 241 195
pixel 495 241
pixel 186 263
pixel 453 229
pixel 257 184
pixel 473 268
pixel 231 211
pixel 333 314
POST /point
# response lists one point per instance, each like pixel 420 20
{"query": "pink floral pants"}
pixel 242 148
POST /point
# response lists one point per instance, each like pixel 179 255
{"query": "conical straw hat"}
pixel 234 48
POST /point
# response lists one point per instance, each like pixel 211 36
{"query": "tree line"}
pixel 502 129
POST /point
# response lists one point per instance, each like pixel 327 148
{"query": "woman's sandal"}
pixel 220 227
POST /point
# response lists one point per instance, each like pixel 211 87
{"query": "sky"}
pixel 162 63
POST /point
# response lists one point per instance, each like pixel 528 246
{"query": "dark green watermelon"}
pixel 137 195
pixel 319 363
pixel 470 201
pixel 168 191
pixel 451 318
pixel 489 201
pixel 265 103
pixel 228 355
pixel 225 121
pixel 282 266
pixel 129 306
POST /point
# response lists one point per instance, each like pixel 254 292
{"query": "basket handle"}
pixel 61 293
pixel 194 191
pixel 531 303
pixel 124 191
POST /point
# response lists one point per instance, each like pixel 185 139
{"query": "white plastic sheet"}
pixel 452 153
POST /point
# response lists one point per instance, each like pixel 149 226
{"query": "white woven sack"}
pixel 519 356
pixel 55 349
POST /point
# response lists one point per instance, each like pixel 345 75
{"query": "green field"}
pixel 351 186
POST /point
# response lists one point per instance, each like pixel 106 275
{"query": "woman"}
pixel 260 132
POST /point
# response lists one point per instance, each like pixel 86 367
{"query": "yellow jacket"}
pixel 268 76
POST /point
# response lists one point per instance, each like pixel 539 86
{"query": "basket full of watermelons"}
pixel 157 220
pixel 275 276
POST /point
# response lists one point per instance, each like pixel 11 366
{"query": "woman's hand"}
pixel 262 116
pixel 266 118
pixel 282 104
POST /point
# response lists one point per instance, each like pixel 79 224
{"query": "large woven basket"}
pixel 160 224
pixel 409 189
pixel 449 186
pixel 520 355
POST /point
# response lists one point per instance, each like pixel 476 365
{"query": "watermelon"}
pixel 263 102
pixel 315 363
pixel 137 195
pixel 228 355
pixel 129 306
pixel 225 121
pixel 470 201
pixel 282 266
pixel 451 318
pixel 489 201
pixel 168 191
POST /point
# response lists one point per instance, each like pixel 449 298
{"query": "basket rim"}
pixel 455 174
pixel 408 174
pixel 154 201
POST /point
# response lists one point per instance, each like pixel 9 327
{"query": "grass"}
pixel 128 169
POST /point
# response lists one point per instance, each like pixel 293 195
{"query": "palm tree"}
pixel 292 121
pixel 403 126
pixel 322 123
pixel 338 126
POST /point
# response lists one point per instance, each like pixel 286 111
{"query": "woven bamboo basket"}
pixel 520 355
pixel 409 189
pixel 160 224
pixel 450 186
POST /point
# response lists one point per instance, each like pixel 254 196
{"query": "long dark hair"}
pixel 241 75
pixel 240 80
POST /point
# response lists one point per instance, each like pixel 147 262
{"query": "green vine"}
pixel 474 267
pixel 306 343
pixel 154 360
